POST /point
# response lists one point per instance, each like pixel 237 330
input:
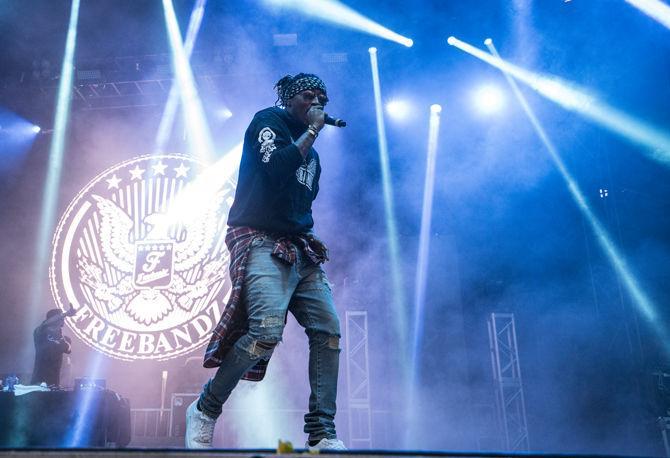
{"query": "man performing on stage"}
pixel 276 265
pixel 50 344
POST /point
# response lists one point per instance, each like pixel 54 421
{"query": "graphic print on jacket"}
pixel 276 185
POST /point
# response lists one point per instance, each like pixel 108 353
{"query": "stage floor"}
pixel 258 453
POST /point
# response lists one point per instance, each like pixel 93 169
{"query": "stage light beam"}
pixel 655 9
pixel 170 110
pixel 644 305
pixel 335 12
pixel 54 168
pixel 80 434
pixel 199 137
pixel 421 278
pixel 196 195
pixel 656 142
pixel 398 302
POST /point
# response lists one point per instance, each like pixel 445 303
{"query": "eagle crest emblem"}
pixel 140 254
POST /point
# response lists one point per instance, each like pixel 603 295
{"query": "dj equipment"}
pixel 88 418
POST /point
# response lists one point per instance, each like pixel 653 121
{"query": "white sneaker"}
pixel 199 428
pixel 326 444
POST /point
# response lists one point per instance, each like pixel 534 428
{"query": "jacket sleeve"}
pixel 273 148
pixel 317 177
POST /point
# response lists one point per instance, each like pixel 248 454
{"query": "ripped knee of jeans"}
pixel 330 341
pixel 334 342
pixel 263 337
pixel 272 321
pixel 260 348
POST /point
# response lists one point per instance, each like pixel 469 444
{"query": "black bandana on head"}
pixel 289 86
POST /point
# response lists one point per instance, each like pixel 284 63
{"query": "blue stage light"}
pixel 199 136
pixel 52 185
pixel 80 434
pixel 224 113
pixel 655 9
pixel 170 110
pixel 489 99
pixel 400 313
pixel 16 137
pixel 398 109
pixel 655 139
pixel 643 303
pixel 421 278
pixel 338 13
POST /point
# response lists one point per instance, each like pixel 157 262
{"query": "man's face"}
pixel 300 103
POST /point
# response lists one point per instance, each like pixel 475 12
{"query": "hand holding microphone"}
pixel 317 118
pixel 314 114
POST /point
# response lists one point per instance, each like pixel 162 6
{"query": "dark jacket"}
pixel 276 186
pixel 49 349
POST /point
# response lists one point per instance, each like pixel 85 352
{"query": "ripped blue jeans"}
pixel 271 287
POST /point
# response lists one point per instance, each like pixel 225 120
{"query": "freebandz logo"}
pixel 140 254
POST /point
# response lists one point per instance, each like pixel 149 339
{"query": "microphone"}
pixel 335 122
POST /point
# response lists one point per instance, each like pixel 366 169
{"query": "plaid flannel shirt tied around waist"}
pixel 234 322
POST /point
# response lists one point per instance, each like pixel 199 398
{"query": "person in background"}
pixel 50 345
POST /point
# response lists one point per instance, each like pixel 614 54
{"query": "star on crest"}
pixel 136 173
pixel 181 170
pixel 113 182
pixel 159 169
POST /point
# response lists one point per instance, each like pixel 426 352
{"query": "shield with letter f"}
pixel 153 264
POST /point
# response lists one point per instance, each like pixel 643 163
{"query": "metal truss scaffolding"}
pixel 139 81
pixel 507 379
pixel 358 379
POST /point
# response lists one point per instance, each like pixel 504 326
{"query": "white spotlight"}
pixel 436 108
pixel 409 42
pixel 488 42
pixel 36 129
pixel 372 50
pixel 451 40
pixel 489 99
pixel 224 113
pixel 398 109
